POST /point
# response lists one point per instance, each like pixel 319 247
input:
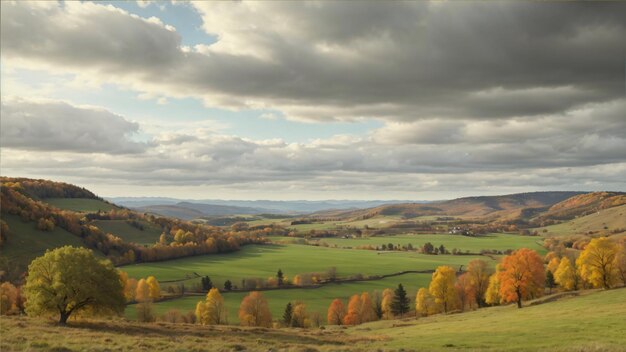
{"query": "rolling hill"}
pixel 491 207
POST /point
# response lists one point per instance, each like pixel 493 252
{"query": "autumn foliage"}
pixel 336 312
pixel 522 276
pixel 254 311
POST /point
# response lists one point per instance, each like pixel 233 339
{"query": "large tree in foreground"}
pixel 596 263
pixel 68 280
pixel 522 276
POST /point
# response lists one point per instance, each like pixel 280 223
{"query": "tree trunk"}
pixel 519 297
pixel 63 318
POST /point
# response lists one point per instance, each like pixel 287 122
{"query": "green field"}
pixel 26 242
pixel 263 261
pixel 374 222
pixel 316 300
pixel 122 229
pixel 593 322
pixel 464 243
pixel 612 218
pixel 86 205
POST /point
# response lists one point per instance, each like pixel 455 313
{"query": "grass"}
pixel 263 261
pixel 593 322
pixel 26 242
pixel 86 205
pixel 122 229
pixel 612 218
pixel 463 243
pixel 316 300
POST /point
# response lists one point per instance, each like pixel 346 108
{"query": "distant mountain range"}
pixel 191 209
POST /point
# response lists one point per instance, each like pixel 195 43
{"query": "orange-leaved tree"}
pixel 353 317
pixel 336 312
pixel 522 276
pixel 368 313
pixel 466 295
pixel 254 311
pixel 386 303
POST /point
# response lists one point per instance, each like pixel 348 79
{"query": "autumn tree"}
pixel 466 296
pixel 154 288
pixel 522 276
pixel 620 261
pixel 216 310
pixel 553 264
pixel 201 314
pixel 336 312
pixel 130 286
pixel 424 303
pixel 478 271
pixel 386 302
pixel 492 295
pixel 442 288
pixel 68 280
pixel 144 310
pixel 254 311
pixel 300 317
pixel 596 263
pixel 142 293
pixel 400 302
pixel 367 308
pixel 353 316
pixel 9 299
pixel 565 275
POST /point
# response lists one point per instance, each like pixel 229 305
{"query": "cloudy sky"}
pixel 315 100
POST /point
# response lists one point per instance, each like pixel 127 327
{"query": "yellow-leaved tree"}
pixel 478 271
pixel 155 289
pixel 442 288
pixel 386 303
pixel 565 275
pixel 212 311
pixel 492 295
pixel 424 303
pixel 368 313
pixel 596 263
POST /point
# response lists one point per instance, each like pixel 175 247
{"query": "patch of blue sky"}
pixel 182 16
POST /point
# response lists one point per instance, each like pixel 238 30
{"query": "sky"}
pixel 315 100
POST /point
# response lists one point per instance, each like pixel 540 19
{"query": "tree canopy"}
pixel 68 280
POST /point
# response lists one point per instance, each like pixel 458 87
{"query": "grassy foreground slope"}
pixel 593 322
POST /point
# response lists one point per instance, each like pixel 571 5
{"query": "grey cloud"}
pixel 401 61
pixel 58 126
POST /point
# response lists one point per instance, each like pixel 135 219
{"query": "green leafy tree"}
pixel 400 303
pixel 207 285
pixel 228 285
pixel 68 280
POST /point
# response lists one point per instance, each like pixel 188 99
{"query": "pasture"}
pixel 122 229
pixel 26 242
pixel 316 299
pixel 85 205
pixel 495 241
pixel 263 261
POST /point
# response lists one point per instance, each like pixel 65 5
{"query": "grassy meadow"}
pixel 595 321
pixel 263 261
pixel 603 221
pixel 85 205
pixel 27 242
pixel 122 229
pixel 499 242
